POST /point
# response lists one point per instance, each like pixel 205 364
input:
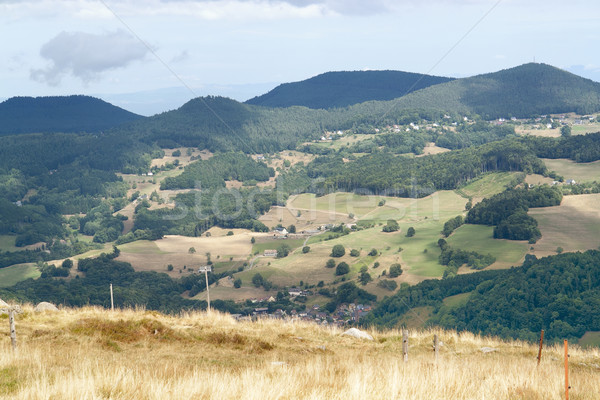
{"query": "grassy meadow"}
pixel 17 273
pixel 581 172
pixel 92 353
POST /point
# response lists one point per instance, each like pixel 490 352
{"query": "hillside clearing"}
pixel 568 169
pixel 572 226
pixel 17 273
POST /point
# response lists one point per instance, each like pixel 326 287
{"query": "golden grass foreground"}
pixel 92 353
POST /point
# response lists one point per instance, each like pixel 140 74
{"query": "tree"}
pixel 410 232
pixel 342 268
pixel 395 270
pixel 338 251
pixel 354 253
pixel 283 250
pixel 68 263
pixel 252 240
pixel 291 229
pixel 257 280
pixel 391 226
pixel 305 249
pixel 230 233
pixel 191 250
pixel 170 267
pixel 373 252
pixel 364 276
pixel 330 263
pixel 565 131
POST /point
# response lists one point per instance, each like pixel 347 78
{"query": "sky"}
pixel 153 55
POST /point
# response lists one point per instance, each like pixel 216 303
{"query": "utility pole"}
pixel 206 270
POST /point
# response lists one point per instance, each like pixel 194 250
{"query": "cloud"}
pixel 183 56
pixel 86 56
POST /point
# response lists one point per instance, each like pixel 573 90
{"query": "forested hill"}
pixel 344 88
pixel 60 114
pixel 523 91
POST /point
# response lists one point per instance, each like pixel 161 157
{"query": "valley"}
pixel 269 201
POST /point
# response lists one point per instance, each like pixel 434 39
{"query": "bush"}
pixel 230 233
pixel 373 252
pixel 305 249
pixel 410 232
pixel 237 283
pixel 338 251
pixel 395 270
pixel 387 285
pixel 170 267
pixel 342 268
pixel 354 253
pixel 391 226
pixel 330 263
pixel 68 263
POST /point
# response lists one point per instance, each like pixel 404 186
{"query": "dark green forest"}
pixel 560 294
pixel 66 114
pixel 344 88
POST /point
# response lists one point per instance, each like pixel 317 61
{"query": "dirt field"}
pixel 431 148
pixel 574 225
pixel 155 256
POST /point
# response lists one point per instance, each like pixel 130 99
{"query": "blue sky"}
pixel 147 55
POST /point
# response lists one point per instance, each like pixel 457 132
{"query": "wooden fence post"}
pixel 436 346
pixel 13 331
pixel 405 344
pixel 539 357
pixel 567 387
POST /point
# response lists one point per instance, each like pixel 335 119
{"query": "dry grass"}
pixel 94 354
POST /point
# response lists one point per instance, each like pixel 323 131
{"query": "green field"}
pixel 488 185
pixel 479 238
pixel 7 243
pixel 568 169
pixel 16 273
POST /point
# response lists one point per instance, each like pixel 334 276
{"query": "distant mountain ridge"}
pixel 344 88
pixel 60 114
pixel 523 91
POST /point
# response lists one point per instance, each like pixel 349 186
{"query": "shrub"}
pixel 391 226
pixel 305 249
pixel 410 232
pixel 354 253
pixel 395 270
pixel 387 285
pixel 330 263
pixel 237 283
pixel 373 252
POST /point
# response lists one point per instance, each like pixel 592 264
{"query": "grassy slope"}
pixel 17 273
pixel 581 172
pixel 146 355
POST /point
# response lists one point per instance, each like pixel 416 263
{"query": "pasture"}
pixel 573 226
pixel 155 256
pixel 581 172
pixel 480 238
pixel 17 273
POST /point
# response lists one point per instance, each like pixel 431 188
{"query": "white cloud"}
pixel 87 56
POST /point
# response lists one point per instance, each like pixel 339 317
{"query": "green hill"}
pixel 343 88
pixel 60 114
pixel 523 91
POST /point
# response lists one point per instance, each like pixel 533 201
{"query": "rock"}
pixel 488 349
pixel 357 333
pixel 44 306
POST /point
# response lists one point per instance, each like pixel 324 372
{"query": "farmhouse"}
pixel 270 253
